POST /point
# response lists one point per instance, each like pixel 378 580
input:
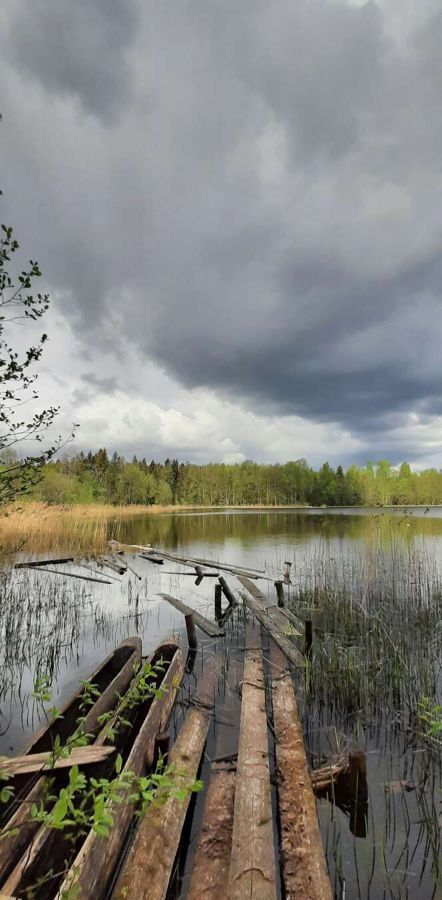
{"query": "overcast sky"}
pixel 237 207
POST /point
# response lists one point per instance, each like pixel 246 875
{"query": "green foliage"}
pixel 20 304
pixel 430 719
pixel 96 477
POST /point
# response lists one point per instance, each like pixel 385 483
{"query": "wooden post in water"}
pixel 229 595
pixel 218 607
pixel 279 585
pixel 308 637
pixel 191 632
pixel 358 787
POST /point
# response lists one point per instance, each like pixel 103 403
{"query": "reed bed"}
pixel 375 681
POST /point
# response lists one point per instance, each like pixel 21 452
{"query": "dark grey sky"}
pixel 237 207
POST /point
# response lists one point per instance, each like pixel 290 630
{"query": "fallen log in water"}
pixel 273 619
pixel 30 564
pixel 212 859
pixel 252 867
pixel 209 563
pixel 303 863
pixel 68 574
pixel 148 868
pixel 208 627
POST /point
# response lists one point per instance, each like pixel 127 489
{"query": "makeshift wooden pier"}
pixel 259 836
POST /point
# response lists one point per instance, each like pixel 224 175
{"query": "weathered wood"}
pixel 218 606
pixel 303 863
pixel 93 866
pixel 158 560
pixel 210 563
pixel 279 585
pixel 146 873
pixel 39 762
pixel 212 858
pixel 33 791
pixel 191 631
pixel 308 637
pixel 30 564
pixel 273 619
pixel 68 574
pixel 229 595
pixel 208 627
pixel 358 788
pixel 252 868
pixel 114 564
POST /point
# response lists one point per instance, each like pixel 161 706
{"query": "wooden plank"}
pixel 30 564
pixel 93 866
pixel 212 858
pixel 210 563
pixel 146 873
pixel 37 762
pixel 252 868
pixel 304 869
pixel 273 619
pixel 68 574
pixel 208 627
pixel 229 595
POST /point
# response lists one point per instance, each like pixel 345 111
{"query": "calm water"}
pixel 66 627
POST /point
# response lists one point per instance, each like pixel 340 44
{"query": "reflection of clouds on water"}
pixel 370 582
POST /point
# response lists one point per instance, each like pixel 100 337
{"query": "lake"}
pixel 369 580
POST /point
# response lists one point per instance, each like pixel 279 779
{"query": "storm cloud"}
pixel 246 195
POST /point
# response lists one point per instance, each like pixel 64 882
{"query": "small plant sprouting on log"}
pixel 86 803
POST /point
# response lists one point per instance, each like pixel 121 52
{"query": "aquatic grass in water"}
pixel 375 682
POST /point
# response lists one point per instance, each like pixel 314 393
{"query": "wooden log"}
pixel 208 627
pixel 229 595
pixel 146 873
pixel 158 560
pixel 252 868
pixel 279 585
pixel 212 858
pixel 191 631
pixel 44 762
pixel 274 621
pixel 191 560
pixel 218 606
pixel 69 574
pixel 114 564
pixel 43 562
pixel 303 863
pixel 92 869
pixel 358 788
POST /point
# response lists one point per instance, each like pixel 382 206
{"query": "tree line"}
pixel 98 477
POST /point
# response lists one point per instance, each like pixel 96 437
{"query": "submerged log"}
pixel 148 868
pixel 303 863
pixel 208 627
pixel 212 859
pixel 252 867
pixel 274 621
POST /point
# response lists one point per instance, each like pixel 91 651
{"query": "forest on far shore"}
pixel 100 478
